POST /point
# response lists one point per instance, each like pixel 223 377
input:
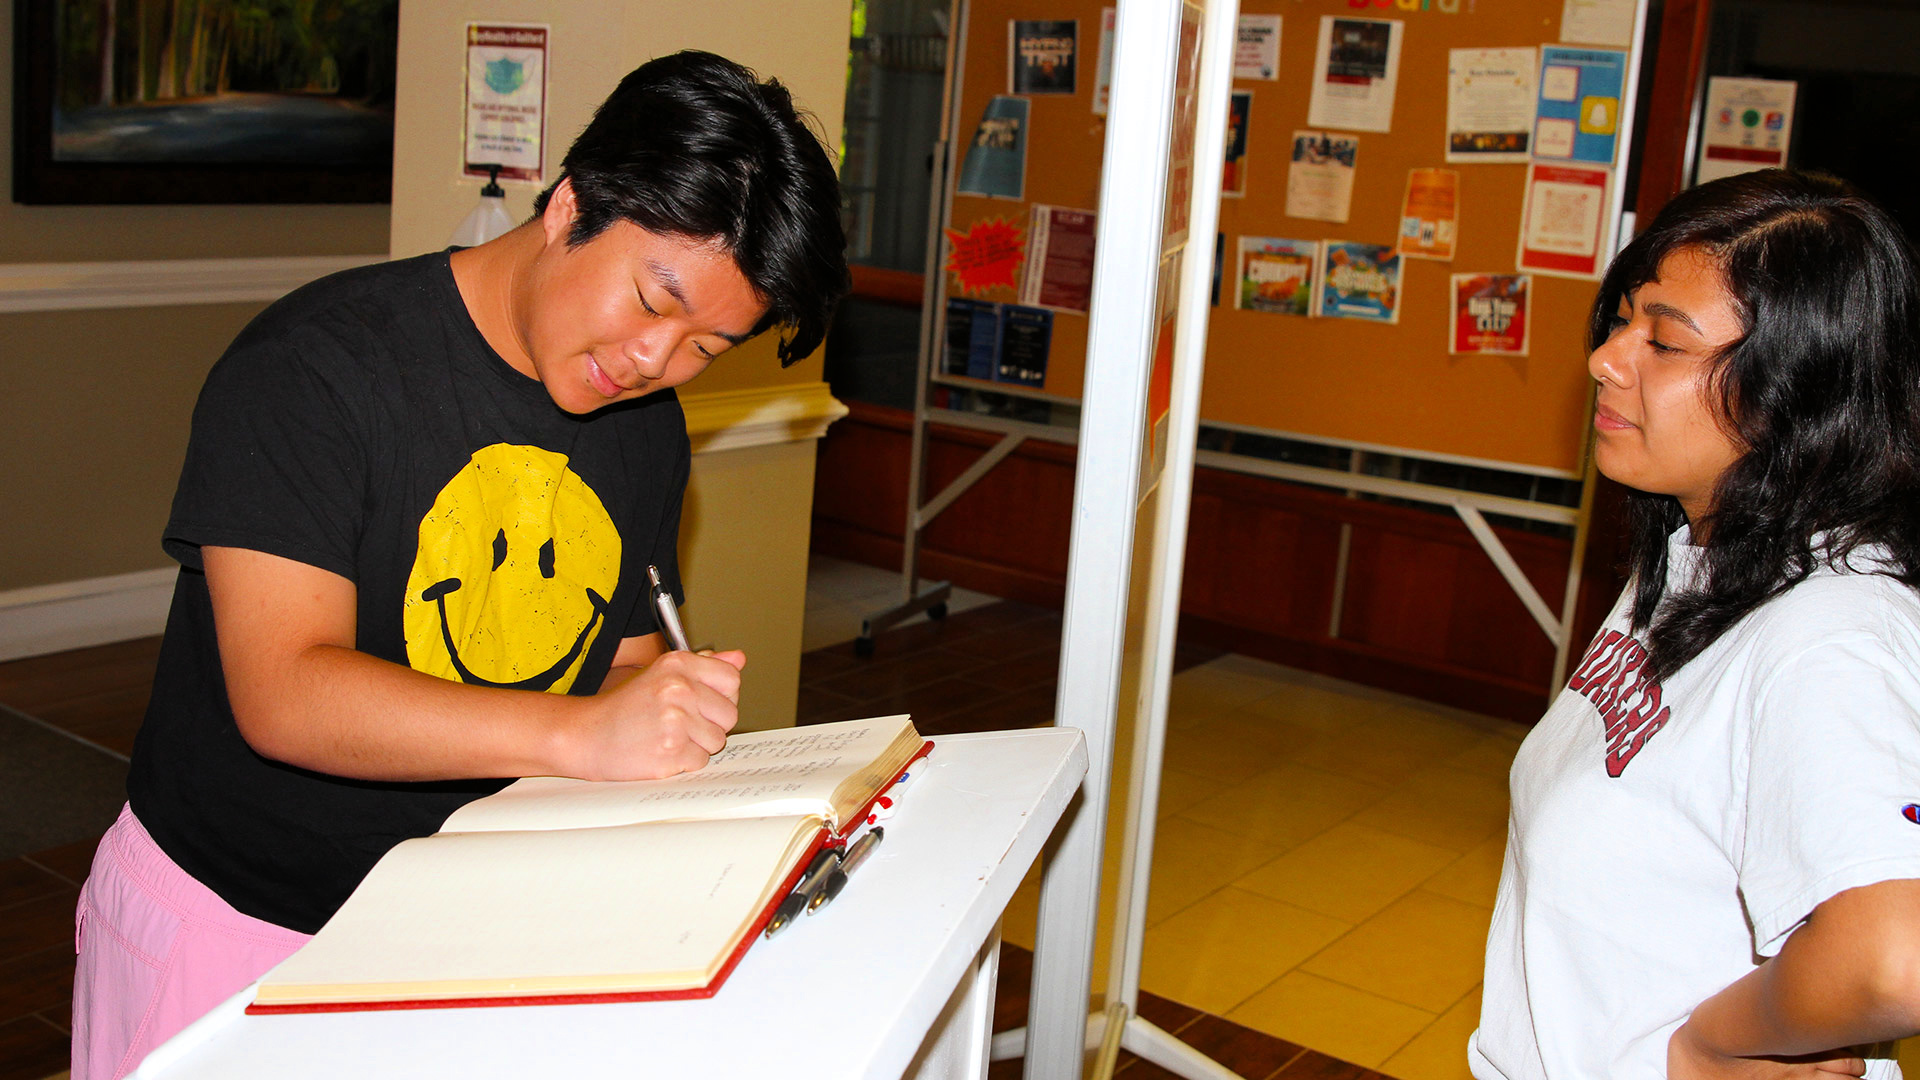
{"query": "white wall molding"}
pixel 76 614
pixel 74 286
pixel 759 416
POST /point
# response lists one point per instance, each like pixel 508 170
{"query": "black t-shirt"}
pixel 364 426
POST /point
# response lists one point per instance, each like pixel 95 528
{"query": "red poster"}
pixel 1491 314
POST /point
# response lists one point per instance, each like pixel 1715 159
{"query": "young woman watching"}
pixel 1713 863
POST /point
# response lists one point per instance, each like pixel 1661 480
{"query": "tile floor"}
pixel 1326 854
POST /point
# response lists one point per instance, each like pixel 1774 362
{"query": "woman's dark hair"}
pixel 694 145
pixel 1819 392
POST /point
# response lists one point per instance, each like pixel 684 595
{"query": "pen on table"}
pixel 664 611
pixel 826 862
pixel 837 880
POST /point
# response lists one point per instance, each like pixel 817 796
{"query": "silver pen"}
pixel 665 613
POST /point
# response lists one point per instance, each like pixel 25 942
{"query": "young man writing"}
pixel 414 524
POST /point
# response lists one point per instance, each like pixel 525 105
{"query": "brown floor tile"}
pixel 1250 1053
pixel 1037 668
pixel 21 880
pixel 38 924
pixel 1010 990
pixel 97 716
pixel 71 861
pixel 31 1048
pixel 1032 707
pixel 1164 1013
pixel 37 982
pixel 32 683
pixel 1016 640
pixel 825 663
pixel 931 703
pixel 820 707
pixel 888 677
pixel 1314 1065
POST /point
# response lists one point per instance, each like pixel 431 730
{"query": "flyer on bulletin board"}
pixel 1490 314
pixel 1747 125
pixel 1026 337
pixel 1430 214
pixel 973 338
pixel 1103 68
pixel 1256 52
pixel 1356 66
pixel 1358 281
pixel 1059 259
pixel 506 114
pixel 1040 55
pixel 1597 22
pixel 1233 173
pixel 1579 104
pixel 1563 224
pixel 996 161
pixel 1320 176
pixel 1276 275
pixel 1490 104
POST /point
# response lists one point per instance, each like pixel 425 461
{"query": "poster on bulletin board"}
pixel 1443 85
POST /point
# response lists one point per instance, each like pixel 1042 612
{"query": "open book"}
pixel 569 890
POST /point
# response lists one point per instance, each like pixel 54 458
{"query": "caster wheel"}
pixel 937 612
pixel 863 647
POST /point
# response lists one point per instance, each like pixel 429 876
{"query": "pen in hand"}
pixel 665 613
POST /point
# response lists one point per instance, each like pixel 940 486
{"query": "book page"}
pixel 759 773
pixel 639 907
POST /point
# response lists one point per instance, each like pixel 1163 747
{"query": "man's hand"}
pixel 666 719
pixel 1688 1058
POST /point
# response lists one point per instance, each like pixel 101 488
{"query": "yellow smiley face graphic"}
pixel 517 561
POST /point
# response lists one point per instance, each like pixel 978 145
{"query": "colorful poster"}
pixel 986 256
pixel 1358 281
pixel 1040 55
pixel 1256 51
pixel 1597 22
pixel 1579 104
pixel 1059 259
pixel 1233 175
pixel 506 113
pixel 1276 275
pixel 1026 336
pixel 1430 214
pixel 1186 107
pixel 1490 103
pixel 996 161
pixel 1356 66
pixel 1490 314
pixel 1563 226
pixel 973 338
pixel 1747 125
pixel 1320 176
pixel 1103 69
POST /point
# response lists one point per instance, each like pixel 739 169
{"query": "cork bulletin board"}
pixel 1391 385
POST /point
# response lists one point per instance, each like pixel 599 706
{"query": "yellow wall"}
pixel 745 526
pixel 94 410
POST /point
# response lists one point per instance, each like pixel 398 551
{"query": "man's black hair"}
pixel 695 145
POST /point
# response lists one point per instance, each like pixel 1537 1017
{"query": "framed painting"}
pixel 203 101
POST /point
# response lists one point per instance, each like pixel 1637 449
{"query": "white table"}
pixel 894 978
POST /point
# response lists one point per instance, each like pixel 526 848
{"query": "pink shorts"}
pixel 157 950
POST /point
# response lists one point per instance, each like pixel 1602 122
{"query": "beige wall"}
pixel 94 404
pixel 745 527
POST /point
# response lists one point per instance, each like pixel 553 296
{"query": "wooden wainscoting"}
pixel 1424 611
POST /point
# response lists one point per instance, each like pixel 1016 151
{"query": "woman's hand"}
pixel 1688 1058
